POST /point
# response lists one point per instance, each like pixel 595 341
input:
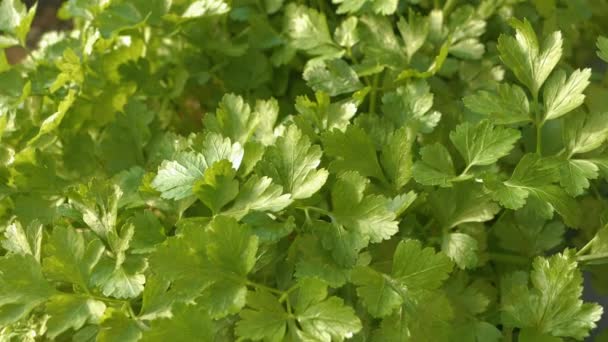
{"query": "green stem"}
pixel 594 259
pixel 539 122
pixel 130 310
pixel 321 5
pixel 428 225
pixel 374 94
pixel 464 174
pixel 539 138
pixel 287 292
pixel 585 248
pixel 447 7
pixel 508 334
pixel 264 287
pixel 319 210
pixel 288 305
pixel 108 300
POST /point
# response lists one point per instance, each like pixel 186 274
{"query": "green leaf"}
pixel 469 48
pixel 530 63
pixel 232 247
pixel 315 262
pixel 410 106
pixel 211 266
pixel 426 319
pixel 98 203
pixel 384 7
pixel 414 269
pixel 333 76
pixel 177 262
pixel 293 163
pixel 118 327
pixel 420 268
pixel 563 204
pixel 24 241
pixel 461 204
pixel 188 322
pixel 531 172
pixel 369 214
pixel 483 144
pixel 71 258
pixel 307 30
pixel 583 133
pixel 269 229
pixel 528 237
pixel 560 96
pixel 265 319
pixel 120 278
pixel 462 249
pixel 375 291
pixel 52 122
pixel 273 5
pixel 352 150
pixel 267 112
pixel 148 232
pixel 435 167
pixel 508 105
pixel 206 8
pixel 436 65
pixel 22 287
pixel 531 335
pixel 602 45
pixel 176 178
pixel 414 32
pixel 346 34
pixel 469 297
pixel 575 175
pixel 323 115
pixel 259 194
pixel 71 312
pixel 396 157
pixel 154 10
pixel 118 17
pixel 400 203
pixel 553 305
pixel 233 119
pixel 533 176
pixel 379 44
pixel 15 19
pixel 357 220
pixel 231 255
pixel 599 243
pixel 345 243
pixel 329 320
pixel 510 197
pixel 218 186
pixel 71 69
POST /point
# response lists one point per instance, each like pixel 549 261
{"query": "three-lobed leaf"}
pixel 530 62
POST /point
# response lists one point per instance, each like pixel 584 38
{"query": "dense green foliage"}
pixel 372 170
